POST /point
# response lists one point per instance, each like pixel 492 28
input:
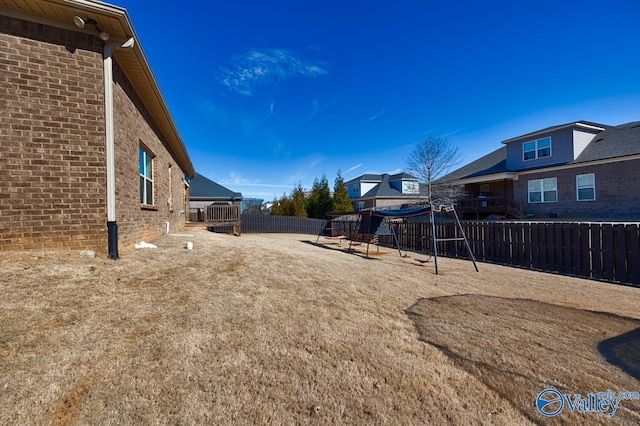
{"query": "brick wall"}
pixel 617 193
pixel 52 170
pixel 52 146
pixel 133 127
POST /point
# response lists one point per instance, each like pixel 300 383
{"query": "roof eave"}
pixel 114 20
pixel 486 178
pixel 580 124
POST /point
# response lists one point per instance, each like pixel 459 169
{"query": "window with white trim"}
pixel 543 190
pixel 410 187
pixel 586 187
pixel 539 148
pixel 146 177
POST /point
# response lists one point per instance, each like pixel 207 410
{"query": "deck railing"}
pixel 491 205
pixel 216 216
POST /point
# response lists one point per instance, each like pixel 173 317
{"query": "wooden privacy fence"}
pixel 603 251
pixel 255 223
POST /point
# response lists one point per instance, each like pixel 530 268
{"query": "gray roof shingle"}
pixel 203 188
pixel 385 190
pixel 616 141
pixel 613 142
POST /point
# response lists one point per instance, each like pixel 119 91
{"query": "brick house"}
pixel 90 158
pixel 373 190
pixel 579 170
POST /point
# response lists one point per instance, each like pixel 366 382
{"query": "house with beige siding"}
pixel 575 171
pixel 90 157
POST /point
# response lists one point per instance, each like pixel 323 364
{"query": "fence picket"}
pixel 633 254
pixel 620 252
pixel 584 249
pixel 596 252
pixel 604 251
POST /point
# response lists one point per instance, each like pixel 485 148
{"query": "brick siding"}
pixel 617 194
pixel 52 146
pixel 51 138
pixel 134 127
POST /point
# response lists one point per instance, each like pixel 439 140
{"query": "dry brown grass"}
pixel 274 329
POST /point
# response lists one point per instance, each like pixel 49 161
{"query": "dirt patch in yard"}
pixel 276 329
pixel 520 347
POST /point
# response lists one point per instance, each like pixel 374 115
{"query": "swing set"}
pixel 367 226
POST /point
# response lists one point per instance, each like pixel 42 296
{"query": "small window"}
pixel 359 206
pixel 543 190
pixel 529 151
pixel 540 148
pixel 146 177
pixel 410 187
pixel 586 187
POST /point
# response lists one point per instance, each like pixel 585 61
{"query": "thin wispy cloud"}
pixel 259 185
pixel 350 169
pixel 266 67
pixel 317 108
pixel 235 179
pixel 394 171
pixel 376 115
pixel 212 112
pixel 451 133
pixel 442 136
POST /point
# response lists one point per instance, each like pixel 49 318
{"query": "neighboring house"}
pixel 579 170
pixel 214 206
pixel 204 192
pixel 385 190
pixel 90 157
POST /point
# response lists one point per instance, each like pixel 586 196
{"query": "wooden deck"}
pixel 216 216
pixel 481 207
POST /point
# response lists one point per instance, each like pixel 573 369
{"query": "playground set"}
pixel 367 226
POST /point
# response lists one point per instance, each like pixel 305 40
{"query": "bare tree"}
pixel 431 159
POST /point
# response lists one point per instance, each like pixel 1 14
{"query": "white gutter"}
pixel 112 225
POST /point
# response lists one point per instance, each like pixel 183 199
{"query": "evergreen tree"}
pixel 319 201
pixel 341 201
pixel 275 207
pixel 282 207
pixel 298 202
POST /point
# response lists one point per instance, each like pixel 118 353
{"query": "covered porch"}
pixel 494 199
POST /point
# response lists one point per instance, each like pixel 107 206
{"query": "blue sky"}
pixel 267 94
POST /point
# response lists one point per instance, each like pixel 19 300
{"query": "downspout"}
pixel 112 225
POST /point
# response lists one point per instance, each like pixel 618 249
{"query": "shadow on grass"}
pixel 344 249
pixel 623 351
pixel 519 347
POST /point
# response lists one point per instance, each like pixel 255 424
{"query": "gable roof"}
pixel 612 142
pixel 370 177
pixel 385 190
pixel 202 188
pixel 403 176
pixel 584 125
pixel 494 162
pixel 615 141
pixel 115 21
